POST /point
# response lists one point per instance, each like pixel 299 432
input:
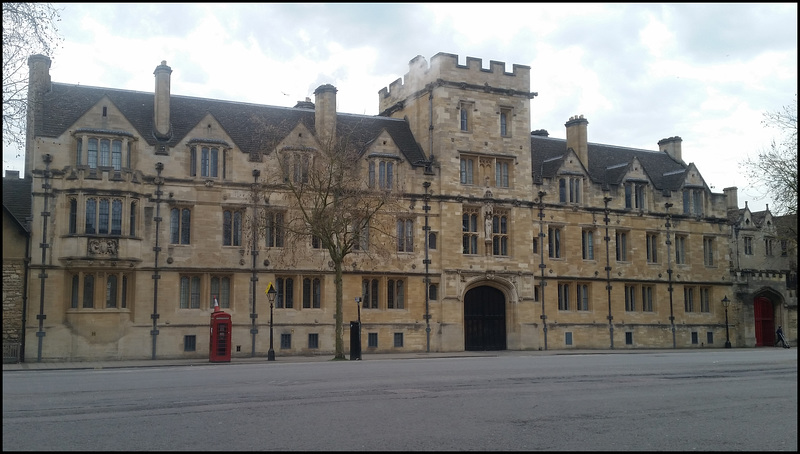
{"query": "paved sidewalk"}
pixel 106 364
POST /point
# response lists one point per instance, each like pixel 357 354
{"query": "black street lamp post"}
pixel 725 303
pixel 271 296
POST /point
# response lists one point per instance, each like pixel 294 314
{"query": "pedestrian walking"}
pixel 780 339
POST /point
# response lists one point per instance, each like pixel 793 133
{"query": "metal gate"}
pixel 484 319
pixel 764 322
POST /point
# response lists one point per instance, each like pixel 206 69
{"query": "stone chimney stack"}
pixel 325 112
pixel 38 85
pixel 577 138
pixel 671 146
pixel 732 197
pixel 161 113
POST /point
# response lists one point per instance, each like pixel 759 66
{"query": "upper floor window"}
pixel 635 196
pixel 395 294
pixel 208 159
pixel 285 288
pixel 705 293
pixel 231 228
pixel 361 233
pixel 501 173
pixel 622 246
pixel 693 201
pixel 296 167
pixel 554 242
pixel 465 115
pixel 467 170
pixel 179 225
pixel 647 298
pixel 569 189
pixel 469 229
pixel 189 296
pixel 680 249
pixel 102 152
pixel 381 174
pixel 784 248
pixel 582 297
pixel 274 229
pixel 630 298
pixel 405 235
pixel 748 245
pixel 708 251
pixel 563 296
pixel 500 233
pixel 587 244
pixel 312 292
pixel 651 240
pixel 103 216
pixel 688 299
pixel 768 244
pixel 505 122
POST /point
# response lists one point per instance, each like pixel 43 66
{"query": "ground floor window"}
pixel 100 290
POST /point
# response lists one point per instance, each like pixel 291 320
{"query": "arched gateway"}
pixel 764 322
pixel 484 319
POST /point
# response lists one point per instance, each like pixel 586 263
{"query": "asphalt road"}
pixel 725 400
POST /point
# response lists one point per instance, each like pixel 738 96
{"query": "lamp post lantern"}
pixel 725 303
pixel 271 296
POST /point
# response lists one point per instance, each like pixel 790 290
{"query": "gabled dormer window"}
pixel 103 152
pixel 693 201
pixel 569 189
pixel 205 162
pixel 635 196
pixel 382 173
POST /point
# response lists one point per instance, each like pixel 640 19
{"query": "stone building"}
pixel 510 239
pixel 16 216
pixel 764 271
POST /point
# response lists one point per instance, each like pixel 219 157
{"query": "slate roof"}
pixel 245 123
pixel 608 163
pixel 17 196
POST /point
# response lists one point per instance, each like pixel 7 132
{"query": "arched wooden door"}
pixel 764 322
pixel 484 319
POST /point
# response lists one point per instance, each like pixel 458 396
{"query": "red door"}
pixel 764 322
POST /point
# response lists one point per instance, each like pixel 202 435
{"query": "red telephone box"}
pixel 220 350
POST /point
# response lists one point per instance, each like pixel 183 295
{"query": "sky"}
pixel 638 73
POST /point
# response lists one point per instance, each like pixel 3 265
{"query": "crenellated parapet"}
pixel 445 70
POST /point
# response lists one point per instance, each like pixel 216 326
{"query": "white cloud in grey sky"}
pixel 638 72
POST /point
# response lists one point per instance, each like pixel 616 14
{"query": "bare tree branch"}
pixel 28 29
pixel 776 167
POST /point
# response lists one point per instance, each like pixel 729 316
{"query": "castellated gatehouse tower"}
pixel 469 120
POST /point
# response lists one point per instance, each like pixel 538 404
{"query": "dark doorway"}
pixel 764 322
pixel 484 319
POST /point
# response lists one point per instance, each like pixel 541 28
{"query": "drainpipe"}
pixel 542 266
pixel 254 253
pixel 667 206
pixel 607 239
pixel 427 197
pixel 44 246
pixel 159 180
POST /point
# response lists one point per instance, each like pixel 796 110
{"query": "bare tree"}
pixel 28 29
pixel 334 208
pixel 776 167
